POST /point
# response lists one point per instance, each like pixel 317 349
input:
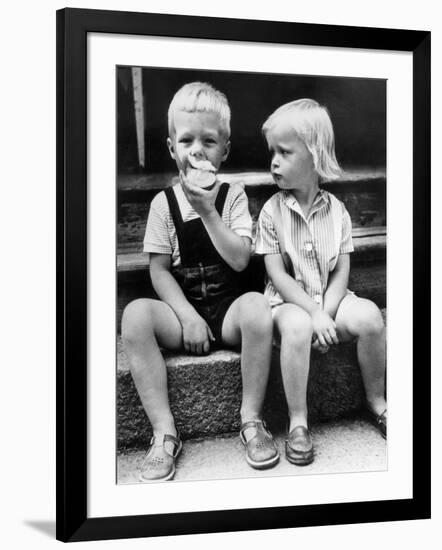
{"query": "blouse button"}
pixel 308 247
pixel 317 298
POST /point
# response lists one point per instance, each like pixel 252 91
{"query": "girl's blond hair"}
pixel 197 97
pixel 311 123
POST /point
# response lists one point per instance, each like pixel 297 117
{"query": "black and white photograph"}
pixel 222 249
pixel 243 297
pixel 251 274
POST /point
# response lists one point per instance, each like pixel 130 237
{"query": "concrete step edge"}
pixel 374 238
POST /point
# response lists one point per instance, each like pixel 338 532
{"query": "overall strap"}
pixel 177 219
pixel 221 198
pixel 336 212
pixel 174 209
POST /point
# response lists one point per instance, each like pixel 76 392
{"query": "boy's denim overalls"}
pixel 207 281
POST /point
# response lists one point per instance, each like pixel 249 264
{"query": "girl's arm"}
pixel 324 328
pixel 287 287
pixel 337 285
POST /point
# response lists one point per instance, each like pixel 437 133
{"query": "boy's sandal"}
pixel 299 446
pixel 261 451
pixel 159 463
pixel 379 421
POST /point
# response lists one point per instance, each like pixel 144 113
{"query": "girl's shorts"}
pixel 277 338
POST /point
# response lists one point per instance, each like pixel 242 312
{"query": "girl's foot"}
pixel 299 446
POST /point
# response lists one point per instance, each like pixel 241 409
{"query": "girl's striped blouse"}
pixel 312 239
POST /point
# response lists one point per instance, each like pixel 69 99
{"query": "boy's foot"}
pixel 261 451
pixel 379 421
pixel 299 446
pixel 159 463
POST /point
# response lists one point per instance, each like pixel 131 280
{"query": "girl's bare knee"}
pixel 370 321
pixel 297 328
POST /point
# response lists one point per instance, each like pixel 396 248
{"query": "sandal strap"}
pixel 176 442
pixel 257 424
pixel 168 437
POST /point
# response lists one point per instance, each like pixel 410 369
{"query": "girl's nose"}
pixel 274 163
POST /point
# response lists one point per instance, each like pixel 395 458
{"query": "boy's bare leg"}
pixel 248 323
pixel 147 324
pixel 360 318
pixel 295 330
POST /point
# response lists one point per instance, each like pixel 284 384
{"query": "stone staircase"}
pixel 205 391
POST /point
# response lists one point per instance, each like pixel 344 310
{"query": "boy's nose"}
pixel 197 151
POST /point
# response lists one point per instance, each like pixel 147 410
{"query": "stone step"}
pixel 205 393
pixel 362 191
pixel 344 445
pixel 369 243
pixel 132 183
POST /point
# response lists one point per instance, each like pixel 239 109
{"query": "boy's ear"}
pixel 171 148
pixel 226 151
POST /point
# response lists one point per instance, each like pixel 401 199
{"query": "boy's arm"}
pixel 233 248
pixel 337 285
pixel 196 332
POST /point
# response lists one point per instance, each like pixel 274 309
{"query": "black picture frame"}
pixel 73 26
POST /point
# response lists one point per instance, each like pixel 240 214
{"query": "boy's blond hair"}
pixel 197 97
pixel 311 123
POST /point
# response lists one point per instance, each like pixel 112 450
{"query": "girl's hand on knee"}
pixel 324 328
pixel 317 347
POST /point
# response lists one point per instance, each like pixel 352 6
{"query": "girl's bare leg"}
pixel 294 327
pixel 361 319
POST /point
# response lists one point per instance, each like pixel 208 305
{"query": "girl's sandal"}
pixel 379 421
pixel 159 462
pixel 299 447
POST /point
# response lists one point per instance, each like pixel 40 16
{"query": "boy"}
pixel 305 235
pixel 198 236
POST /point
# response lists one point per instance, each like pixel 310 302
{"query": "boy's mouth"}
pixel 201 173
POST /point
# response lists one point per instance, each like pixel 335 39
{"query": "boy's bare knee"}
pixel 136 321
pixel 255 312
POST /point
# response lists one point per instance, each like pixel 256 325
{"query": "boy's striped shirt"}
pixel 160 236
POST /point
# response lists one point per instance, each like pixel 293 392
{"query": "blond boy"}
pixel 199 239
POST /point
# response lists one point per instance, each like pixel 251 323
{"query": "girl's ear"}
pixel 171 148
pixel 226 151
